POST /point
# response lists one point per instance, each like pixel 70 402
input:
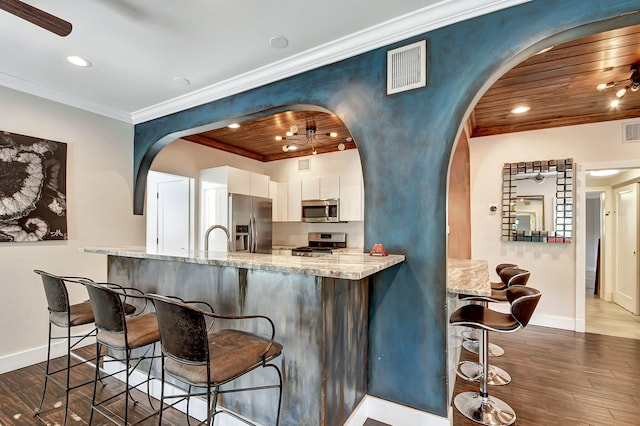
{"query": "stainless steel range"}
pixel 322 243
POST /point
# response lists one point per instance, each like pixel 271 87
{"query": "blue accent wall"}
pixel 405 142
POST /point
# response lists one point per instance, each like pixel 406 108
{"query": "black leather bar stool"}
pixel 480 406
pixel 122 334
pixel 513 277
pixel 207 358
pixel 63 314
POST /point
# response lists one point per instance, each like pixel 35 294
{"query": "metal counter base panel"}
pixel 321 322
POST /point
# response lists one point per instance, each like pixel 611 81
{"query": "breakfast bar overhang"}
pixel 318 305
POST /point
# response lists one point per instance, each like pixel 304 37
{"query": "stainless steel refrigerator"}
pixel 250 223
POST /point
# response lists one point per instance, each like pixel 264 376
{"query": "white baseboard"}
pixel 552 321
pixel 393 414
pixel 37 355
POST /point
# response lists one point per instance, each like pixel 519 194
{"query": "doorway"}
pixel 169 212
pixel 611 285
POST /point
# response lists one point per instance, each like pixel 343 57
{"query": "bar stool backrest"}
pixel 56 292
pixel 501 266
pixel 523 302
pixel 183 330
pixel 108 308
pixel 515 276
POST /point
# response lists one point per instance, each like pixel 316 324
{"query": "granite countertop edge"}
pixel 350 266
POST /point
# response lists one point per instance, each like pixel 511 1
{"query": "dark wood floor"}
pixel 559 378
pixel 565 378
pixel 20 392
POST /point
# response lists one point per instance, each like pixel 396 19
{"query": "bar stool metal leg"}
pixel 479 406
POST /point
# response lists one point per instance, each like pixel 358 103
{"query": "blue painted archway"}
pixel 405 142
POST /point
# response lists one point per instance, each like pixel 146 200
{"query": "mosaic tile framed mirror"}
pixel 537 201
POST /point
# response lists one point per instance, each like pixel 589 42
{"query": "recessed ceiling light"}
pixel 278 42
pixel 601 173
pixel 614 103
pixel 520 109
pixel 79 61
pixel 234 126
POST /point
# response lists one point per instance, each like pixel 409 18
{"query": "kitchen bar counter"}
pixel 468 276
pixel 319 306
pixel 348 265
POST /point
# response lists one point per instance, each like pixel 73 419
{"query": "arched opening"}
pixel 287 154
pixel 564 306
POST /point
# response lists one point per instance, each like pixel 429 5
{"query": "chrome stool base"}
pixel 487 410
pixel 473 346
pixel 472 372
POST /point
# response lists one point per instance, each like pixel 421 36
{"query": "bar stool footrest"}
pixel 472 372
pixel 473 346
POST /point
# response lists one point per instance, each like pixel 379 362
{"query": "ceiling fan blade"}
pixel 37 16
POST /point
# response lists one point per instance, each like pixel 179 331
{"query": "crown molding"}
pixel 30 88
pixel 430 18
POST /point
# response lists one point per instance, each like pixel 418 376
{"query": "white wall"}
pixel 99 200
pixel 555 268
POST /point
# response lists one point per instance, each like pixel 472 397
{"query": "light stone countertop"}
pixel 468 276
pixel 350 266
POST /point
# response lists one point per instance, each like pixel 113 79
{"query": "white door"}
pixel 173 215
pixel 169 211
pixel 626 291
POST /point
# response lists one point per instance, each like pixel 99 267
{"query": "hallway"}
pixel 608 318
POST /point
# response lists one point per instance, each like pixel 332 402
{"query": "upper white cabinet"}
pixel 259 185
pixel 321 188
pixel 294 200
pixel 238 181
pixel 278 192
pixel 351 198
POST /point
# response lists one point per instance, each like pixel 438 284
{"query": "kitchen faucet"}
pixel 211 228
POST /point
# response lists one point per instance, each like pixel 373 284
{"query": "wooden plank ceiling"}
pixel 256 138
pixel 558 85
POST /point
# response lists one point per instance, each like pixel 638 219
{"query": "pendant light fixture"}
pixel 632 83
pixel 311 137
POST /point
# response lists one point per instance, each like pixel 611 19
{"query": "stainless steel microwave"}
pixel 321 210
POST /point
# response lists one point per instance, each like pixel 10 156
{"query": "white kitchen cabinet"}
pixel 329 187
pixel 238 181
pixel 351 198
pixel 278 193
pixel 294 200
pixel 310 188
pixel 320 188
pixel 259 185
